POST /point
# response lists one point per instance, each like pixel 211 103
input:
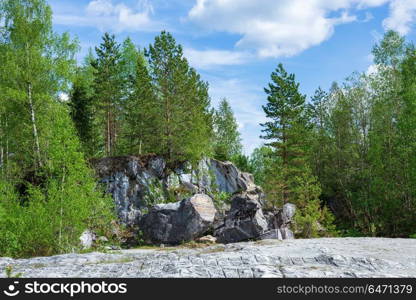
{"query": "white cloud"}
pixel 402 16
pixel 106 15
pixel 207 59
pixel 288 27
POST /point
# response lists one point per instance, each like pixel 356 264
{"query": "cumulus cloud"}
pixel 287 27
pixel 106 15
pixel 207 59
pixel 402 16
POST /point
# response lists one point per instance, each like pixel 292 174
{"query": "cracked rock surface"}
pixel 337 257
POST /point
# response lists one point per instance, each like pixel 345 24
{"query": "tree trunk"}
pixel 2 159
pixel 34 127
pixel 108 135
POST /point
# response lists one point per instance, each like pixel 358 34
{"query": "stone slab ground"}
pixel 338 257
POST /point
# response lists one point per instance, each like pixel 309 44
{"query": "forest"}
pixel 345 157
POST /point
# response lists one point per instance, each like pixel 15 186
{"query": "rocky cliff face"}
pixel 145 190
pixel 137 183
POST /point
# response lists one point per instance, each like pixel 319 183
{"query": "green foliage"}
pixel 182 126
pixel 363 144
pixel 48 194
pixel 242 162
pixel 59 209
pixel 286 129
pixel 141 113
pixel 287 176
pixel 82 110
pixel 312 221
pixel 391 49
pixel 177 194
pixel 221 199
pixel 259 161
pixel 227 140
pixel 108 86
pixel 155 193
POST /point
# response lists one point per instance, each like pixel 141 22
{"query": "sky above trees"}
pixel 235 44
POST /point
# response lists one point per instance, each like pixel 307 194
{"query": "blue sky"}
pixel 236 44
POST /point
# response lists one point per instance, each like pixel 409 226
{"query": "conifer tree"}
pixel 227 141
pixel 108 87
pixel 82 108
pixel 289 177
pixel 142 114
pixel 319 140
pixel 183 100
pixel 286 128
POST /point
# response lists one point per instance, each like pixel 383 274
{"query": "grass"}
pixel 122 260
pixel 155 248
pixel 38 266
pixel 184 245
pixel 9 272
pixel 213 250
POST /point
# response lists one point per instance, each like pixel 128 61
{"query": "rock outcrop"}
pixel 141 187
pixel 178 222
pixel 138 183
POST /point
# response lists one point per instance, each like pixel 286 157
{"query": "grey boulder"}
pixel 178 222
pixel 245 220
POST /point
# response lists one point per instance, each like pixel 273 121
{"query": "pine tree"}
pixel 319 139
pixel 83 110
pixel 286 129
pixel 289 177
pixel 142 114
pixel 183 100
pixel 108 87
pixel 227 141
pixel 129 54
pixel 200 136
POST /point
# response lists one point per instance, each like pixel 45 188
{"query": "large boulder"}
pixel 178 222
pixel 245 220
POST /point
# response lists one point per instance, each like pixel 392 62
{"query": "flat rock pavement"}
pixel 336 257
